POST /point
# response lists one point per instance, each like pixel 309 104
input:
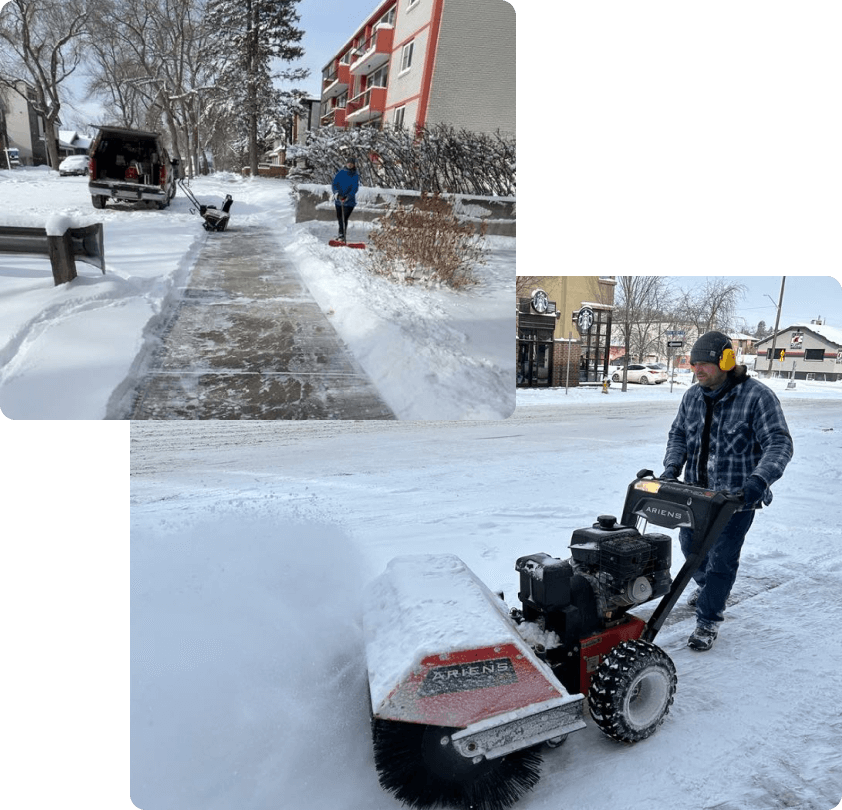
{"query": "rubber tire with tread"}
pixel 644 380
pixel 98 200
pixel 632 690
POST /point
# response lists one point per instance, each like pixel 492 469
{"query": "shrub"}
pixel 438 159
pixel 426 242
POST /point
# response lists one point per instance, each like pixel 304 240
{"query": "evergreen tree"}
pixel 247 39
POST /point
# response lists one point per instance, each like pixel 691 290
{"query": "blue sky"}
pixel 327 24
pixel 805 298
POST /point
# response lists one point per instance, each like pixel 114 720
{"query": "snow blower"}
pixel 215 219
pixel 465 692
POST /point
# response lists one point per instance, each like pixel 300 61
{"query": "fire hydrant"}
pixel 606 384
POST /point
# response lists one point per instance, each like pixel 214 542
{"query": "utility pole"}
pixel 777 321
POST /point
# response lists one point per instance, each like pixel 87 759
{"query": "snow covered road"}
pixel 250 547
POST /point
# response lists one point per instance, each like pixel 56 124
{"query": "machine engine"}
pixel 611 568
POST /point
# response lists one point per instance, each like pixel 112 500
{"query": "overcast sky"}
pixel 805 298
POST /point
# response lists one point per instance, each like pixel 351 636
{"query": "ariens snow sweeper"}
pixel 465 692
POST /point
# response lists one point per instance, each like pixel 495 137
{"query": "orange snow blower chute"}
pixel 465 691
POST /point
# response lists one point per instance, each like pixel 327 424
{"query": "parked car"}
pixel 643 374
pixel 73 164
pixel 11 158
pixel 133 165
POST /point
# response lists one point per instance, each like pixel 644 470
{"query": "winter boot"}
pixel 702 638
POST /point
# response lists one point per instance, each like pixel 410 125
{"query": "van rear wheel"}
pixel 98 200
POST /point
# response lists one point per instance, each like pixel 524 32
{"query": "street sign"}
pixel 675 333
pixel 675 344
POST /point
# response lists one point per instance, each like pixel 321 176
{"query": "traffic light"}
pixel 783 354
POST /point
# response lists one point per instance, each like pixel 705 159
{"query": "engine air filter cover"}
pixel 586 544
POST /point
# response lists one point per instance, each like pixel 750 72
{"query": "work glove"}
pixel 669 474
pixel 753 489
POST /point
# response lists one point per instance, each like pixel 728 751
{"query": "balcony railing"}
pixel 368 105
pixel 336 117
pixel 375 51
pixel 337 81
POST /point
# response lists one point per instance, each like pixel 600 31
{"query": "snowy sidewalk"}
pixel 247 341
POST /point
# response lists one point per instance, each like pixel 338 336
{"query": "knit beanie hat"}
pixel 709 347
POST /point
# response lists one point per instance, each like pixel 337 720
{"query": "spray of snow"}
pixel 248 664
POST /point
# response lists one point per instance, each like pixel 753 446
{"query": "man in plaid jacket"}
pixel 729 434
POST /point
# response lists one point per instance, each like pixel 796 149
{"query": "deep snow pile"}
pixel 433 354
pixel 251 546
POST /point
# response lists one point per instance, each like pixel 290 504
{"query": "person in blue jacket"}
pixel 729 434
pixel 345 187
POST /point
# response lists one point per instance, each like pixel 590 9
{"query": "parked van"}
pixel 132 165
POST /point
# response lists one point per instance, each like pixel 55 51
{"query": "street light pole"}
pixel 777 321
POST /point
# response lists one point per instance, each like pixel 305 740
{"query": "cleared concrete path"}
pixel 247 341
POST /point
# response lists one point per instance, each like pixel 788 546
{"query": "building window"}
pixel 411 3
pixel 400 117
pixel 378 78
pixel 406 56
pixel 814 354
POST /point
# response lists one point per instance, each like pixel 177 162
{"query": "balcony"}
pixel 337 82
pixel 335 117
pixel 367 106
pixel 374 52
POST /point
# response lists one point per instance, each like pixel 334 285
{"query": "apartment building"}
pixel 21 128
pixel 415 63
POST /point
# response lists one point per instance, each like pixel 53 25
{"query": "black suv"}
pixel 130 164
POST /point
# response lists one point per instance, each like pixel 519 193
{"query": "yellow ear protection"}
pixel 728 359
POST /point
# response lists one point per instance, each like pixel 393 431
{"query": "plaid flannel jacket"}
pixel 748 436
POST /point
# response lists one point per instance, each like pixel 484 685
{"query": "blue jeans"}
pixel 716 575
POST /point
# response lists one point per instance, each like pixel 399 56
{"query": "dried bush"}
pixel 425 242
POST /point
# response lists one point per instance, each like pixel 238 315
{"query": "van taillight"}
pixel 92 167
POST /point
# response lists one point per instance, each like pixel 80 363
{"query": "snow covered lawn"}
pixel 64 351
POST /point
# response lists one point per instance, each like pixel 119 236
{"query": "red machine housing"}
pixel 593 649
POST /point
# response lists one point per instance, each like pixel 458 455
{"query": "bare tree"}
pixel 149 71
pixel 41 46
pixel 525 285
pixel 712 305
pixel 639 314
